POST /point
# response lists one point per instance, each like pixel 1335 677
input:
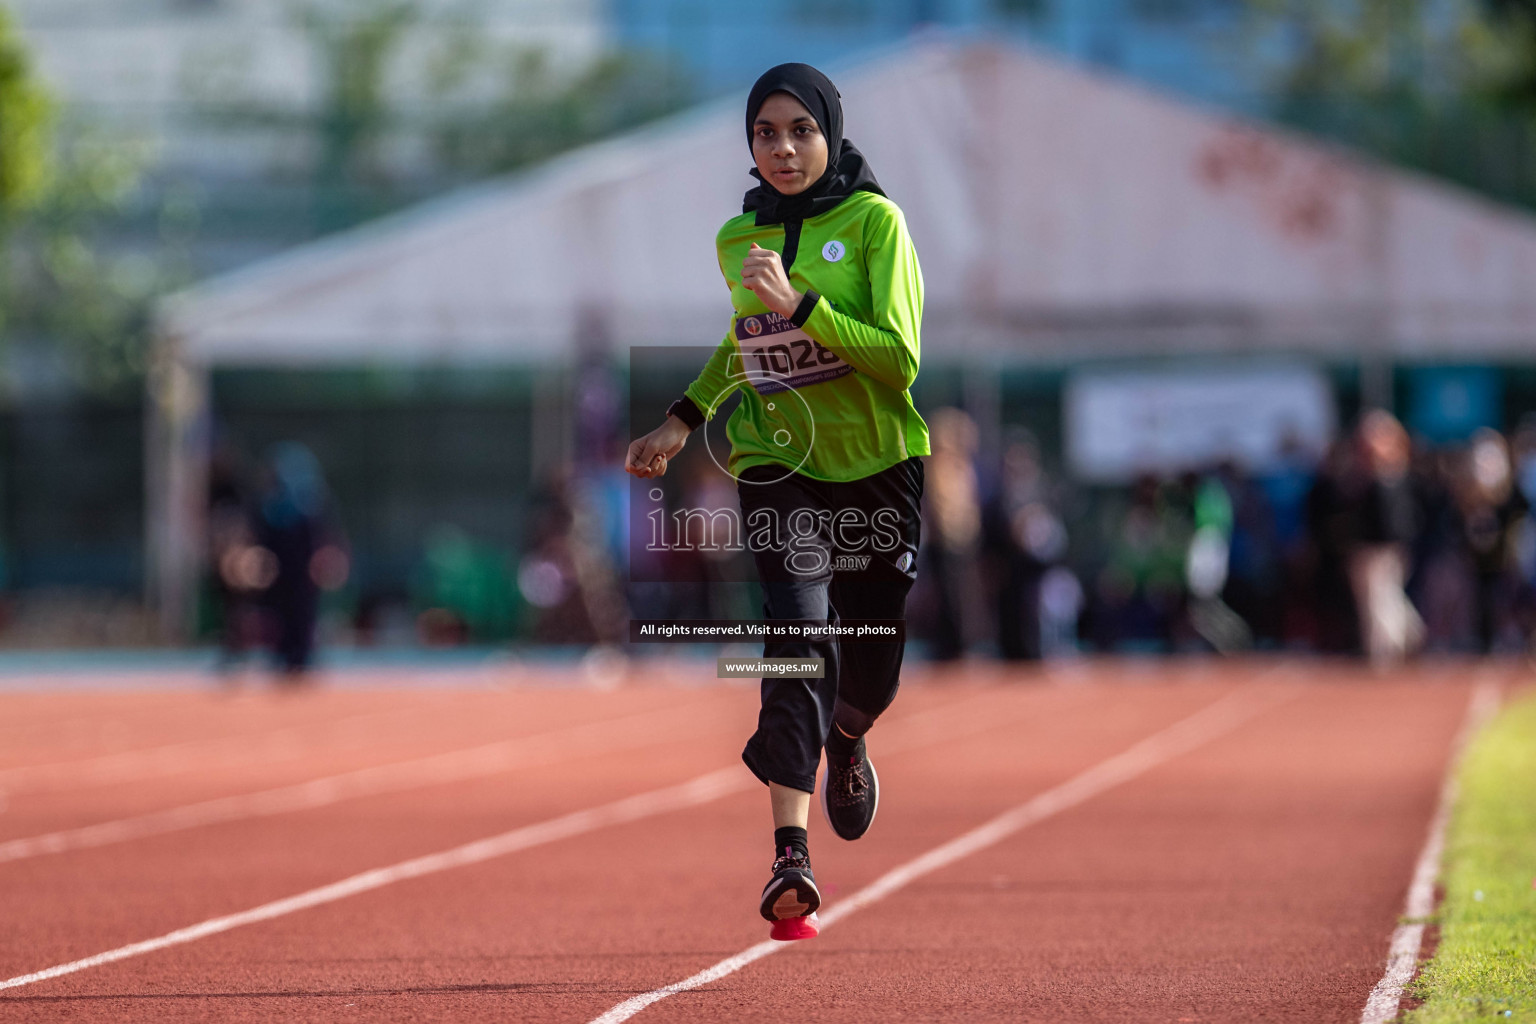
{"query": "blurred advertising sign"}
pixel 1121 424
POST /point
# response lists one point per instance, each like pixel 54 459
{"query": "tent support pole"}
pixel 175 488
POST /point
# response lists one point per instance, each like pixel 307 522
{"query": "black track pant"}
pixel 822 573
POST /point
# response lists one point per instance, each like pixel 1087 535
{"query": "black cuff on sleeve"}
pixel 807 304
pixel 685 410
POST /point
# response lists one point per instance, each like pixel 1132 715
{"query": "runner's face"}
pixel 790 151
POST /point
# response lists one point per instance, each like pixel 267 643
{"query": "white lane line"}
pixel 701 790
pixel 638 730
pixel 704 789
pixel 438 769
pixel 1403 953
pixel 1179 738
pixel 174 758
pixel 642 729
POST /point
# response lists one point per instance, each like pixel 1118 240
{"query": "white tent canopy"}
pixel 1059 214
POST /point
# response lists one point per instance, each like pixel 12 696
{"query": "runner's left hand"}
pixel 763 272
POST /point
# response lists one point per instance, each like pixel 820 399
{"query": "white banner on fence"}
pixel 1124 423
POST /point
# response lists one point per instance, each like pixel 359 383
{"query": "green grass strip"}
pixel 1485 966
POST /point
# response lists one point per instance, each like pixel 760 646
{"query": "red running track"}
pixel 1257 876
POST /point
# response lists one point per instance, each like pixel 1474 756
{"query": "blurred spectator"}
pixel 1023 539
pixel 1523 536
pixel 1208 564
pixel 1285 488
pixel 1255 587
pixel 1384 526
pixel 1441 581
pixel 1139 594
pixel 1334 626
pixel 295 526
pixel 596 515
pixel 1061 611
pixel 566 571
pixel 240 571
pixel 1491 508
pixel 546 575
pixel 953 536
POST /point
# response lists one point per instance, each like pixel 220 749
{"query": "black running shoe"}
pixel 850 793
pixel 791 892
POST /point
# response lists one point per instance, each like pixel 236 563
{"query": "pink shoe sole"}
pixel 791 928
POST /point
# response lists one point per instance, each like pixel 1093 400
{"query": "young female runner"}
pixel 823 347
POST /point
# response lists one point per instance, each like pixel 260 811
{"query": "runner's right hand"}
pixel 648 455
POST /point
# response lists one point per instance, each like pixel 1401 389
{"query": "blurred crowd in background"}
pixel 1379 546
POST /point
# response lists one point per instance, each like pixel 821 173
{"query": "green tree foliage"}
pixel 532 110
pixel 356 42
pixel 539 113
pixel 25 112
pixel 1448 86
pixel 1507 41
pixel 61 187
pixel 475 104
pixel 76 274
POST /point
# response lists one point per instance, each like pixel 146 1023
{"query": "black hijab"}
pixel 846 172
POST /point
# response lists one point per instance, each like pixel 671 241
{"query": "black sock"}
pixel 840 746
pixel 792 837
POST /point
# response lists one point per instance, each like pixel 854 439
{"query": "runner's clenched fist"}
pixel 648 455
pixel 763 272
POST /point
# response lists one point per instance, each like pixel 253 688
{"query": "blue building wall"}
pixel 1182 45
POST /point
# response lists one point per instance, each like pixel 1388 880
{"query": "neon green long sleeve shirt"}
pixel 827 397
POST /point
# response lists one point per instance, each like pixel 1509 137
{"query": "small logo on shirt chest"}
pixel 833 251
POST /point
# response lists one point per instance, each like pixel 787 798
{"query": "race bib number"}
pixel 776 355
